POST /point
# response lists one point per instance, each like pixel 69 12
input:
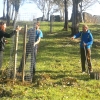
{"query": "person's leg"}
pixel 20 66
pixel 82 59
pixel 89 60
pixel 33 63
pixel 35 54
pixel 1 59
pixel 26 56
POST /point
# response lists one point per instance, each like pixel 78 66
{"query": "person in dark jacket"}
pixel 85 47
pixel 4 35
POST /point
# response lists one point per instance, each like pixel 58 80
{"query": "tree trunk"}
pixel 4 9
pixel 81 12
pixel 8 12
pixel 66 15
pixel 17 5
pixel 12 13
pixel 48 16
pixel 74 27
pixel 15 18
pixel 51 23
pixel 43 16
pixel 75 17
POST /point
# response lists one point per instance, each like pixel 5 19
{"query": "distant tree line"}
pixel 11 9
pixel 48 7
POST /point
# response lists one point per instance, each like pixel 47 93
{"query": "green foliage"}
pixel 58 71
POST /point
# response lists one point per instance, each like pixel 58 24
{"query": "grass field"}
pixel 58 71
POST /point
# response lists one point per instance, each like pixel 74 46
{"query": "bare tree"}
pixel 4 5
pixel 49 5
pixel 8 12
pixel 78 7
pixel 41 5
pixel 75 19
pixel 66 15
pixel 15 4
pixel 98 1
pixel 13 9
pixel 61 6
pixel 46 6
pixel 87 3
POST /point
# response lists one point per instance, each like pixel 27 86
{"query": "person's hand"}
pixel 6 41
pixel 18 28
pixel 84 44
pixel 34 44
pixel 72 38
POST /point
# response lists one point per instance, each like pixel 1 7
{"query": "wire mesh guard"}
pixel 95 75
pixel 17 62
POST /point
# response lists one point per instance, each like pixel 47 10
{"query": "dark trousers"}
pixel 1 58
pixel 85 58
pixel 33 51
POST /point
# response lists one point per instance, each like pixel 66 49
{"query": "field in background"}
pixel 58 75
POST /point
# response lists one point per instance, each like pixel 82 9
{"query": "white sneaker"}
pixel 83 72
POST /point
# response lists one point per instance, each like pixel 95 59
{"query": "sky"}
pixel 30 10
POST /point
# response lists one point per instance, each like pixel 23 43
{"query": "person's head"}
pixel 85 28
pixel 37 25
pixel 2 26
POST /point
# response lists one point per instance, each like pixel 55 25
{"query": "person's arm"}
pixel 39 38
pixel 76 35
pixel 12 33
pixel 9 35
pixel 90 39
pixel 38 41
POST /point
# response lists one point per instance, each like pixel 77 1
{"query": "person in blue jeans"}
pixel 85 47
pixel 34 34
pixel 38 37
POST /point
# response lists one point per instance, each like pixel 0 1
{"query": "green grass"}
pixel 58 71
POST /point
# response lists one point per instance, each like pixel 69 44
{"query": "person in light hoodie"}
pixel 34 35
pixel 85 47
